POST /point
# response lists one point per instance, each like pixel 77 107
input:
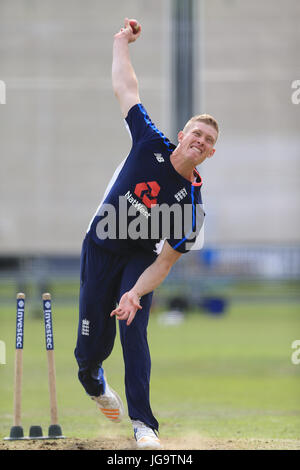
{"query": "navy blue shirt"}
pixel 148 201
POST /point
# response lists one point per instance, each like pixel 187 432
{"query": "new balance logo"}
pixel 85 327
pixel 159 157
pixel 181 194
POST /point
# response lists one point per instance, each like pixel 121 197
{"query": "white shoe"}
pixel 110 403
pixel 145 436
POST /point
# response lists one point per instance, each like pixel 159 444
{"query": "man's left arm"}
pixel 151 278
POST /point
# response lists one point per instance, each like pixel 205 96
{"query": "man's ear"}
pixel 180 136
pixel 211 153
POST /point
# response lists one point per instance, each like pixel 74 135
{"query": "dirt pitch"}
pixel 122 443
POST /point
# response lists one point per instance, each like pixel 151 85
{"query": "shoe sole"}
pixel 114 414
pixel 148 445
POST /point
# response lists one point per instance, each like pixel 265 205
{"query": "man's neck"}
pixel 181 166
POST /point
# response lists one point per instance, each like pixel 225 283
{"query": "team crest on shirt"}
pixel 181 194
pixel 148 193
pixel 85 327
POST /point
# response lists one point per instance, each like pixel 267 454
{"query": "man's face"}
pixel 197 142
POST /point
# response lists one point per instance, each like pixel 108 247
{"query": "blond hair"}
pixel 206 118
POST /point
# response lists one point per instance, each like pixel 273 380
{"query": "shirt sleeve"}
pixel 140 126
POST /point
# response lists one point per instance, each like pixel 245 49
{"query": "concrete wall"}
pixel 251 57
pixel 62 134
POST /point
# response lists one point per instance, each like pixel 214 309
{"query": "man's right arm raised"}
pixel 124 81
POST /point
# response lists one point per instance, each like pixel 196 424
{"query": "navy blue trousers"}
pixel 104 278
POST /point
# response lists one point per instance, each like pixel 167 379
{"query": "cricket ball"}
pixel 134 26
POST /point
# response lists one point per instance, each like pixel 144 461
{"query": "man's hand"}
pixel 151 278
pixel 131 31
pixel 128 306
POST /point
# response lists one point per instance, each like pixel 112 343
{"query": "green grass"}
pixel 228 376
